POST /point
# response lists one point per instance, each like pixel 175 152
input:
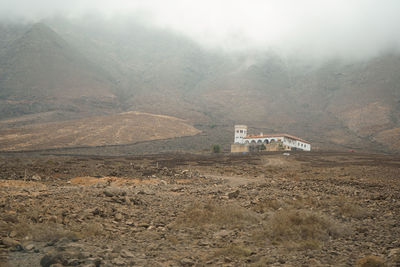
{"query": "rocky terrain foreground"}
pixel 304 209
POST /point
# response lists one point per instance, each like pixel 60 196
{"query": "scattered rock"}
pixel 187 262
pixel 12 218
pixel 394 252
pixel 29 247
pixel 222 234
pixel 72 262
pixel 394 256
pixel 234 194
pixel 36 177
pixel 118 217
pixel 50 259
pixel 180 223
pixel 9 242
pixel 114 191
pixel 282 261
pixel 12 234
pixel 118 261
pixel 126 254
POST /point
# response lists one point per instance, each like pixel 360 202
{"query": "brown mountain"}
pixel 39 71
pixel 93 67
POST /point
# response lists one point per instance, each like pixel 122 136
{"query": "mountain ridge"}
pixel 41 72
pixel 335 105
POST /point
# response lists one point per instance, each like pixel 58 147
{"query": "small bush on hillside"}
pixel 44 232
pixel 91 229
pixel 300 229
pixel 268 205
pixel 370 261
pixel 232 250
pixel 216 148
pixel 352 210
pixel 213 214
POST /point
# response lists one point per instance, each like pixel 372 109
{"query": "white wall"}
pixel 286 141
pixel 240 133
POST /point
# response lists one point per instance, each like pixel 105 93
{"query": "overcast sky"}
pixel 348 28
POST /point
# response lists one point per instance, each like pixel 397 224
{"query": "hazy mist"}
pixel 315 29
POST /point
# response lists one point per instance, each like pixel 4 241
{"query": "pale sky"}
pixel 348 28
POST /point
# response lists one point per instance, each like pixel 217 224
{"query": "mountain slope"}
pixel 41 70
pixel 93 67
pixel 117 129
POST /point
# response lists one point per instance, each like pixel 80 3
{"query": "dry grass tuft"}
pixel 90 229
pixel 45 232
pixel 303 225
pixel 370 261
pixel 36 227
pixel 229 216
pixel 267 205
pixel 234 251
pixel 352 210
pixel 343 205
pixel 299 229
pixel 48 231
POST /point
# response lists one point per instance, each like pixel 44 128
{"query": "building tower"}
pixel 240 133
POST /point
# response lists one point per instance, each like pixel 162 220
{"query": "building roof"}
pixel 276 135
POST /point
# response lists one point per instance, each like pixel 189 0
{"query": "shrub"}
pixel 48 231
pixel 44 232
pixel 353 210
pixel 267 205
pixel 233 250
pixel 216 148
pixel 91 229
pixel 370 261
pixel 212 214
pixel 300 229
pixel 295 225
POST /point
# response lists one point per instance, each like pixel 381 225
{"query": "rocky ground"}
pixel 304 209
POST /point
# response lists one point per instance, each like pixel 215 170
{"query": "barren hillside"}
pixel 123 128
pixel 306 209
pixel 40 71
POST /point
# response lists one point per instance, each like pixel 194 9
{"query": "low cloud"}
pixel 312 28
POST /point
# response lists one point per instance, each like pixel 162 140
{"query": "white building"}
pixel 240 133
pixel 289 142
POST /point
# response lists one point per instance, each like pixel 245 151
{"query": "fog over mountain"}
pixel 328 71
pixel 310 28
